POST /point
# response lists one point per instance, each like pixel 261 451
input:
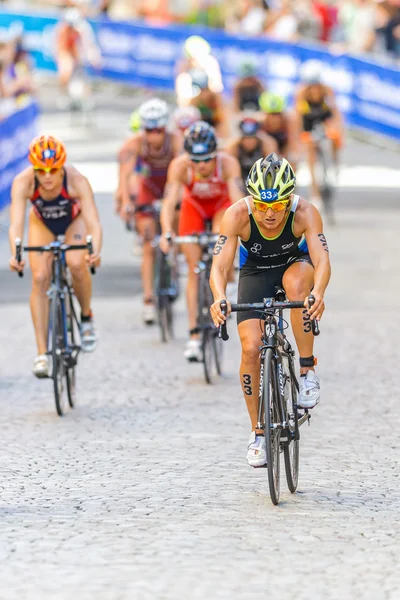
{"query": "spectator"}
pixel 282 23
pixel 248 18
pixel 358 18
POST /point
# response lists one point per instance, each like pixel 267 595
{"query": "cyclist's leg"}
pixel 65 67
pixel 192 254
pixel 191 221
pixel 81 279
pixel 146 228
pixel 40 264
pixel 250 335
pixel 298 281
pixel 253 287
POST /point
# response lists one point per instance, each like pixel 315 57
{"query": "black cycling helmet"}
pixel 249 126
pixel 200 141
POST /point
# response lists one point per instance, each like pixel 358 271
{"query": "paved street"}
pixel 143 491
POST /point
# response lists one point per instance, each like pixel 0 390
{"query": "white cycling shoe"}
pixel 149 314
pixel 256 450
pixel 41 366
pixel 193 352
pixel 88 336
pixel 309 390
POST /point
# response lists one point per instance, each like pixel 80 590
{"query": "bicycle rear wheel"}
pixel 291 450
pixel 57 354
pixel 271 431
pixel 324 183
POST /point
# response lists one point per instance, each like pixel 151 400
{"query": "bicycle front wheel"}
pixel 164 302
pixel 271 425
pixel 291 449
pixel 71 368
pixel 57 354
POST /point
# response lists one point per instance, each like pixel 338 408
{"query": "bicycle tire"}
pixel 58 367
pixel 291 450
pixel 71 370
pixel 164 303
pixel 272 435
pixel 324 184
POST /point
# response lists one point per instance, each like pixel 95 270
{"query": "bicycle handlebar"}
pixel 52 247
pixel 267 304
pixel 197 238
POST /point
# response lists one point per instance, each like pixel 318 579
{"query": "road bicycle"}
pixel 63 338
pixel 279 415
pixel 323 169
pixel 211 344
pixel 166 276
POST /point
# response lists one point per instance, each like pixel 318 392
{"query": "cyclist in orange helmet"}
pixel 62 204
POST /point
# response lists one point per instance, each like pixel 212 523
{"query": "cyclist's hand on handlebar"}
pixel 126 212
pixel 165 241
pixel 16 266
pixel 216 313
pixel 93 260
pixel 317 309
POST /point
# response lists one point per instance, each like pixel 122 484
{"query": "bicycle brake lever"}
pixel 18 254
pixel 90 250
pixel 222 329
pixel 314 322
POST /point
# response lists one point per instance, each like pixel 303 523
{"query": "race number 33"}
pixel 269 195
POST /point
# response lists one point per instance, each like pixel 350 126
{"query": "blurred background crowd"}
pixel 355 26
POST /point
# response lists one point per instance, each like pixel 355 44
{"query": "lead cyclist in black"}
pixel 281 244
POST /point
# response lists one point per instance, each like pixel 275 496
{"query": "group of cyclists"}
pixel 246 190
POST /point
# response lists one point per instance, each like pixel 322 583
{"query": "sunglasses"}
pixel 52 171
pixel 275 206
pixel 154 129
pixel 201 160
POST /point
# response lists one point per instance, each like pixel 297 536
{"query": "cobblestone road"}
pixel 143 491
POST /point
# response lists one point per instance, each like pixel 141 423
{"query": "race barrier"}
pixel 16 132
pixel 368 93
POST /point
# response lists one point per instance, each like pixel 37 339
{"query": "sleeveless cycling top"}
pixel 211 190
pixel 56 214
pixel 153 166
pixel 260 252
pixel 247 159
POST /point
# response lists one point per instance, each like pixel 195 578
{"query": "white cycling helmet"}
pixel 197 47
pixel 186 116
pixel 72 16
pixel 311 72
pixel 153 113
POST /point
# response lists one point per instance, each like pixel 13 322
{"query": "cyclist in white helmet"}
pixel 198 55
pixel 143 164
pixel 314 104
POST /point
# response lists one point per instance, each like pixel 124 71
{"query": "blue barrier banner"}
pixel 16 133
pixel 368 93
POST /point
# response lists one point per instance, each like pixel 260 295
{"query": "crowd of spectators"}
pixel 356 26
pixel 16 82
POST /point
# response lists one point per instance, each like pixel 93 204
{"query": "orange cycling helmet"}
pixel 46 152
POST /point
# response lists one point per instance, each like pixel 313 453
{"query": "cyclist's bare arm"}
pixel 177 144
pixel 22 189
pixel 310 223
pixel 233 177
pixel 232 226
pixel 79 187
pixel 177 171
pixel 127 159
pixel 232 147
pixel 331 101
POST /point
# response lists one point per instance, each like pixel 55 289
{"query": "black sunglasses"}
pixel 201 160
